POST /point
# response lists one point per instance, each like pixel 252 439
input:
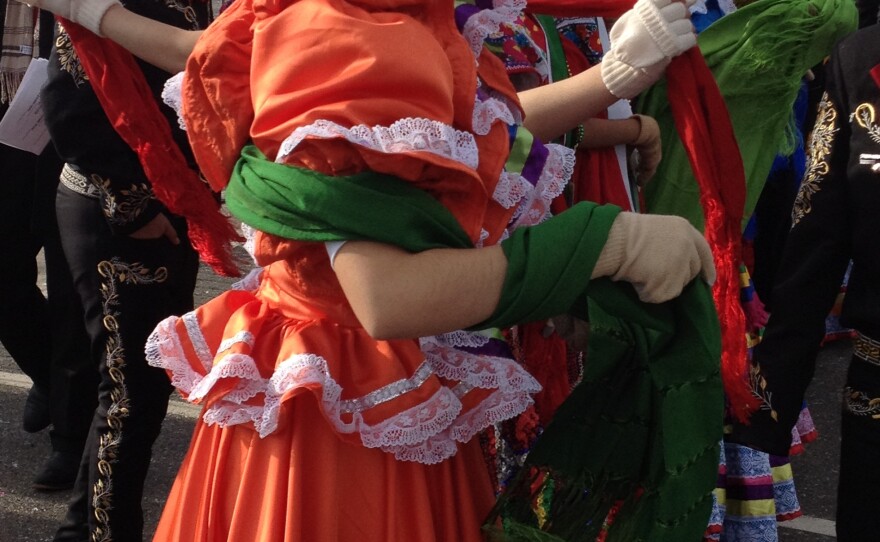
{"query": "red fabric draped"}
pixel 546 359
pixel 597 177
pixel 704 126
pixel 581 8
pixel 128 102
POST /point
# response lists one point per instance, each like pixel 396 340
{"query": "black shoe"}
pixel 58 473
pixel 36 411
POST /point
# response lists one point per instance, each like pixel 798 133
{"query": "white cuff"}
pixel 332 249
pixel 88 13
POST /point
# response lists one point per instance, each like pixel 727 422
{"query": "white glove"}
pixel 86 13
pixel 658 254
pixel 643 41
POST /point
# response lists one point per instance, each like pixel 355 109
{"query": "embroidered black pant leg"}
pixel 127 286
pixel 858 498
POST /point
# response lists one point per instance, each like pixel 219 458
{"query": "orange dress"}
pixel 311 430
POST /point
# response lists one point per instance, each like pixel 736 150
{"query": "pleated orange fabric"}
pixel 302 483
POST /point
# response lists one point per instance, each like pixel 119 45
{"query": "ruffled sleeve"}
pixel 216 97
pixel 404 106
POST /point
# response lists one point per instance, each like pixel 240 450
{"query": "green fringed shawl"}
pixel 643 427
pixel 648 414
pixel 758 55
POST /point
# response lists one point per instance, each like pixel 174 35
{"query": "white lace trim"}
pixel 249 282
pixel 533 202
pixel 405 135
pixel 479 371
pixel 163 350
pixel 194 330
pixel 727 6
pixel 484 234
pixel 245 337
pixel 489 110
pixel 250 239
pixel 426 432
pixel 488 21
pixel 415 425
pixel 172 95
pixel 494 409
pixel 699 6
pixel 511 189
pixel 461 338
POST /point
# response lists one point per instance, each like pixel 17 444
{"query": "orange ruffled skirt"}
pixel 313 431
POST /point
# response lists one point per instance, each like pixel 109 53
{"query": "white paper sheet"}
pixel 22 126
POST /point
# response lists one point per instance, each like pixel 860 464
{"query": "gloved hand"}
pixel 658 254
pixel 643 41
pixel 86 13
pixel 648 147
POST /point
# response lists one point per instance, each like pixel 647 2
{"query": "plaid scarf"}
pixel 20 44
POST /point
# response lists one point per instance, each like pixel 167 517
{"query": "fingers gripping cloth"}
pixel 658 254
pixel 643 41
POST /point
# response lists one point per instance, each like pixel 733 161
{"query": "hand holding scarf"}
pixel 643 41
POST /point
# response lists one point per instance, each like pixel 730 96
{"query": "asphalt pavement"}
pixel 30 516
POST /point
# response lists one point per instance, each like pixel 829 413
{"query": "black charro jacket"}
pixel 835 219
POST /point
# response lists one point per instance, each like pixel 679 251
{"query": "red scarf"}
pixel 127 100
pixel 707 134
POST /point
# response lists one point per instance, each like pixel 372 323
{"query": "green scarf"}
pixel 758 55
pixel 642 429
pixel 648 414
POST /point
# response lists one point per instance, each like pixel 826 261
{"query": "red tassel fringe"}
pixel 705 129
pixel 129 104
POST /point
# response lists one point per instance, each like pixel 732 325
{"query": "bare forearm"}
pixel 396 294
pixel 160 44
pixel 553 110
pixel 607 133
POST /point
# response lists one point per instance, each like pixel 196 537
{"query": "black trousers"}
pixel 24 314
pixel 126 287
pixel 45 336
pixel 858 498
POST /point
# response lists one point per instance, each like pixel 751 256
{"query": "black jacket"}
pixel 84 137
pixel 836 218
